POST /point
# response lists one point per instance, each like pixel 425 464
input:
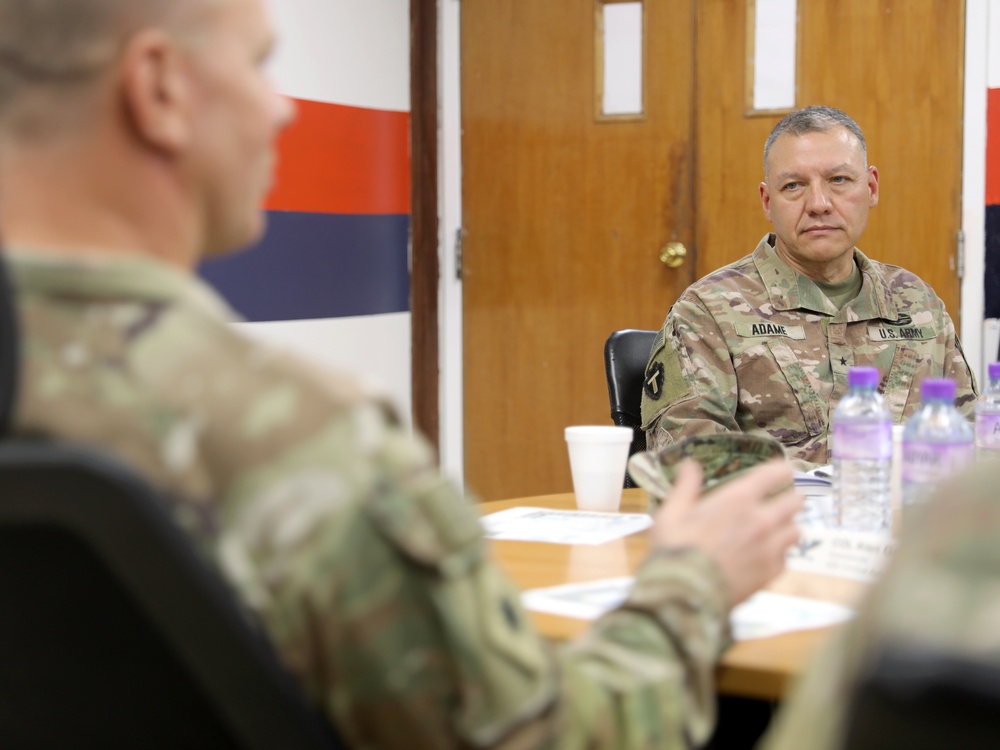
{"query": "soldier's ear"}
pixel 156 91
pixel 873 186
pixel 765 200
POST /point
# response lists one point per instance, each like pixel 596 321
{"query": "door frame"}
pixel 436 190
pixel 424 163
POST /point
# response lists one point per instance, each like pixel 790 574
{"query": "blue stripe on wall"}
pixel 313 265
pixel 992 274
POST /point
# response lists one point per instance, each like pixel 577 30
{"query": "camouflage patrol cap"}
pixel 723 456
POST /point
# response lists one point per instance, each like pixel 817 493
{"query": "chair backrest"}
pixel 116 631
pixel 920 698
pixel 9 354
pixel 626 354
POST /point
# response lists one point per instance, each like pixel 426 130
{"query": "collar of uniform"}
pixel 874 300
pixel 113 277
pixel 790 290
pixel 786 287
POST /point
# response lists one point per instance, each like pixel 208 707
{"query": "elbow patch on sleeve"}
pixel 663 383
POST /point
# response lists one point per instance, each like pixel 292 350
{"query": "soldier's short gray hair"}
pixel 815 119
pixel 59 45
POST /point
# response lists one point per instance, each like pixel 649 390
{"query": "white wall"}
pixel 354 52
pixel 987 14
pixel 978 18
pixel 374 348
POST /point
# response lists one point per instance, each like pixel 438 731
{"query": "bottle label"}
pixel 988 431
pixel 854 441
pixel 932 462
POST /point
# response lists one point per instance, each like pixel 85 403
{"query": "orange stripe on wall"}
pixel 343 160
pixel 993 147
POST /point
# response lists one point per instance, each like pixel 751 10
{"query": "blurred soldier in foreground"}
pixel 939 597
pixel 765 343
pixel 136 138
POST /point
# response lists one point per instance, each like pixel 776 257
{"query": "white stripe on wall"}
pixel 991 13
pixel 353 52
pixel 375 349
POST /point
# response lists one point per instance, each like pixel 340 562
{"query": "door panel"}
pixel 899 72
pixel 564 220
pixel 730 145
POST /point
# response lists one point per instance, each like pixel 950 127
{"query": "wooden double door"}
pixel 565 215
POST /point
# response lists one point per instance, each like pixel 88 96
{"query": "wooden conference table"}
pixel 760 668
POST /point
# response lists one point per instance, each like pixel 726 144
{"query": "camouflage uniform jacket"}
pixel 369 571
pixel 941 593
pixel 758 346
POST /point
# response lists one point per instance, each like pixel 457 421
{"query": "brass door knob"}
pixel 673 255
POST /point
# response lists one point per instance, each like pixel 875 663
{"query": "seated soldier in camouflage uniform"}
pixel 765 343
pixel 136 137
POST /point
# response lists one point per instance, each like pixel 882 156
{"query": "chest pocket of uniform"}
pixel 810 405
pixel 899 382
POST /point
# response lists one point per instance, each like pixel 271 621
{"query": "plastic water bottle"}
pixel 862 456
pixel 988 417
pixel 937 441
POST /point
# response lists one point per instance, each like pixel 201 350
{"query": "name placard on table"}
pixel 848 554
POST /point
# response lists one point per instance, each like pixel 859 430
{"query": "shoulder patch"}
pixel 653 383
pixel 663 382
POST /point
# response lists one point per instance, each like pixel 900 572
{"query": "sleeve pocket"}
pixel 504 673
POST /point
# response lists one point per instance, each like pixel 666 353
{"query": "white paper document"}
pixel 765 614
pixel 762 615
pixel 584 601
pixel 817 488
pixel 817 510
pixel 816 481
pixel 563 526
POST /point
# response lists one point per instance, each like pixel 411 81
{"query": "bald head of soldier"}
pixel 136 126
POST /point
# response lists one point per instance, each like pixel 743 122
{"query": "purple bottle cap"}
pixel 863 377
pixel 994 370
pixel 938 388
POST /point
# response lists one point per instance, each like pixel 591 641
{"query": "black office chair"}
pixel 115 632
pixel 920 698
pixel 626 353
